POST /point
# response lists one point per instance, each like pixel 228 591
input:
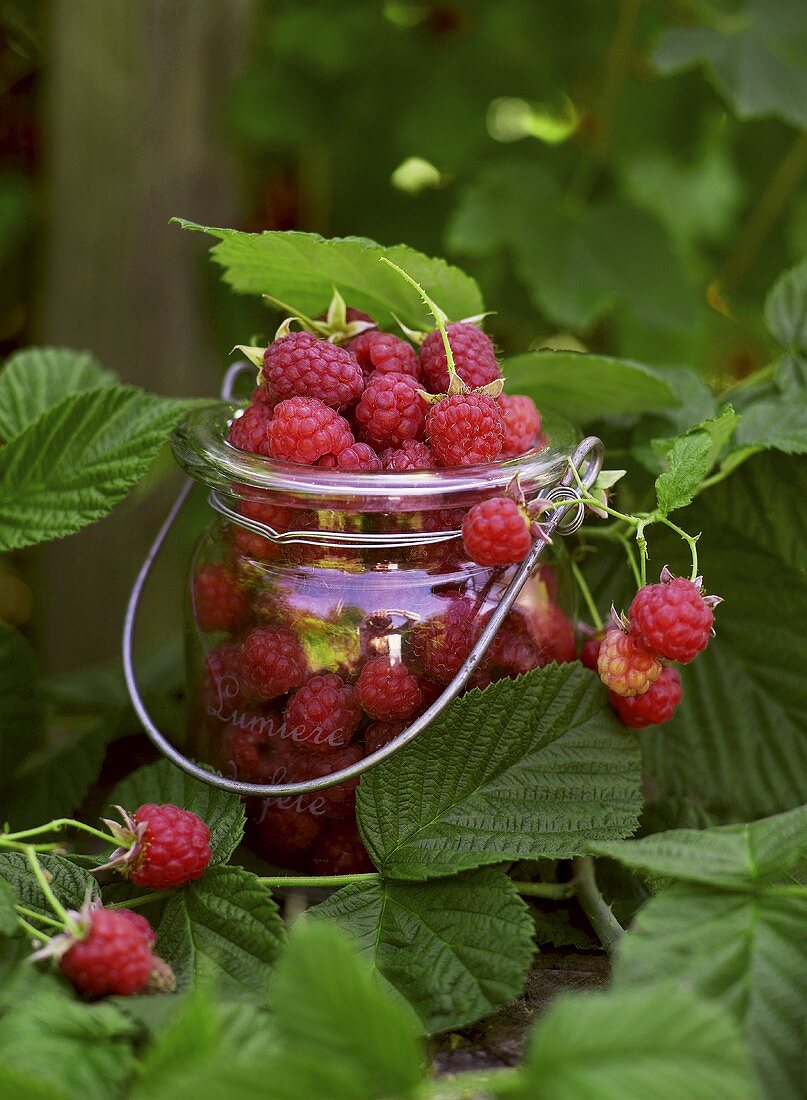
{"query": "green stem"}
pixel 545 889
pixel 469 1086
pixel 61 823
pixel 690 540
pixel 792 890
pixel 144 899
pixel 440 316
pixel 594 905
pixel 45 887
pixel 319 880
pixel 20 846
pixel 22 911
pixel 34 933
pixel 586 594
pixel 641 543
pixel 634 568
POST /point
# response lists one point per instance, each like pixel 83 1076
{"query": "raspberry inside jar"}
pixel 329 607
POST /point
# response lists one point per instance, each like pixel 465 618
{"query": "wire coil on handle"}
pixel 586 460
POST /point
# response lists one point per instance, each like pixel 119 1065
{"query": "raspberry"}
pixel 114 957
pixel 338 801
pixel 221 681
pixel 387 689
pixel 339 851
pixel 496 532
pixel 522 424
pixel 250 543
pixel 175 847
pixel 590 651
pixel 443 642
pixel 300 365
pixel 360 456
pixel 138 921
pixel 411 455
pixel 262 395
pixel 657 705
pixel 247 742
pixel 304 429
pixel 671 619
pixel 624 667
pixel 390 410
pixel 474 357
pixel 553 634
pixel 162 978
pixel 323 715
pixel 287 832
pixel 250 431
pixel 218 601
pixel 513 652
pixel 379 734
pixel 465 429
pixel 385 353
pixel 273 662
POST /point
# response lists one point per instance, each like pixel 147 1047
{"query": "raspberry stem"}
pixel 545 889
pixel 22 911
pixel 45 887
pixel 36 934
pixel 585 591
pixel 318 880
pixel 55 826
pixel 691 540
pixel 440 317
pixel 144 899
pixel 594 905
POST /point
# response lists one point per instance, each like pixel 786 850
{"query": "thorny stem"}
pixel 585 591
pixel 558 890
pixel 22 911
pixel 54 826
pixel 594 905
pixel 319 880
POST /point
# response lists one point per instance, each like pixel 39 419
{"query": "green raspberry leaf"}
pixel 223 813
pixel 786 309
pixel 35 379
pixel 779 423
pixel 730 856
pixel 8 917
pixel 303 269
pixel 223 930
pixel 532 767
pixel 71 884
pixel 74 463
pixel 746 950
pixel 454 948
pixel 660 1042
pixel 754 56
pixel 690 458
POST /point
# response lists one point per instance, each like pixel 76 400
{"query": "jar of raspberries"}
pixel 370 504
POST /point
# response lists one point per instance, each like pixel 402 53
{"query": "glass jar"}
pixel 326 609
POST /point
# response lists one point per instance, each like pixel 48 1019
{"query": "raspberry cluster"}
pixel 670 621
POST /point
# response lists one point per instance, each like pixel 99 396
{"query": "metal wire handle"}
pixel 586 460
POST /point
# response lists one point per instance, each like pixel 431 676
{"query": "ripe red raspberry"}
pixel 247 742
pixel 174 848
pixel 383 352
pixel 218 600
pixel 553 633
pixel 512 653
pixel 138 921
pixel 339 850
pixel 390 410
pixel 334 802
pixel 250 543
pixel 624 667
pixel 287 831
pixel 114 957
pixel 496 532
pixel 323 714
pixel 411 455
pixel 263 395
pixel 250 431
pixel 379 734
pixel 672 619
pixel 465 429
pixel 300 365
pixel 474 357
pixel 304 429
pixel 657 705
pixel 443 642
pixel 590 651
pixel 273 662
pixel 221 692
pixel 522 424
pixel 387 689
pixel 360 456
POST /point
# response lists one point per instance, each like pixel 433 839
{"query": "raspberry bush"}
pixel 627 784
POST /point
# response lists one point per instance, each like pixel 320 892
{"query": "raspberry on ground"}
pixel 590 651
pixel 303 429
pixel 114 957
pixel 273 662
pixel 250 430
pixel 339 850
pixel 522 424
pixel 221 693
pixel 624 667
pixel 361 456
pixel 442 642
pixel 219 602
pixel 410 455
pixel 333 802
pixel 390 410
pixel 474 357
pixel 496 532
pixel 247 742
pixel 323 714
pixel 465 429
pixel 301 365
pixel 379 734
pixel 174 848
pixel 657 705
pixel 287 831
pixel 387 689
pixel 250 543
pixel 672 619
pixel 383 352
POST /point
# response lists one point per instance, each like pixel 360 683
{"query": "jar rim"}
pixel 200 446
